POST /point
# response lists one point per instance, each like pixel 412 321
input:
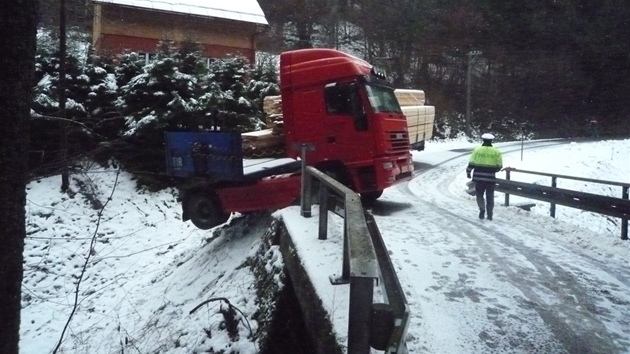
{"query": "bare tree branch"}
pixel 85 264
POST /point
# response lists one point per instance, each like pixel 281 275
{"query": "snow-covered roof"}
pixel 237 10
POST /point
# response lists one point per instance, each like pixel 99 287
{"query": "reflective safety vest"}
pixel 485 161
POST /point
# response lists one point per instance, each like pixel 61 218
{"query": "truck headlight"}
pixel 388 165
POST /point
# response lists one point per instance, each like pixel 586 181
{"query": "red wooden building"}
pixel 222 27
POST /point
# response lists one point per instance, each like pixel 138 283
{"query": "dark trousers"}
pixel 487 188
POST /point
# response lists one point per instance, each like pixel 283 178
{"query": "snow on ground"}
pixel 147 270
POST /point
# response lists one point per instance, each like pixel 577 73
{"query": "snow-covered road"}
pixel 516 284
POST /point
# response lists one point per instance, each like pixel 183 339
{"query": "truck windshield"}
pixel 382 99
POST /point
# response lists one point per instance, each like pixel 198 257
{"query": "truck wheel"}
pixel 205 211
pixel 368 198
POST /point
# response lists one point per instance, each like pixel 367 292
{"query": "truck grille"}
pixel 398 140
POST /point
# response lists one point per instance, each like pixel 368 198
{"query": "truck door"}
pixel 348 136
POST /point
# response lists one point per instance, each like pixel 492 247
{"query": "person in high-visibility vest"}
pixel 485 161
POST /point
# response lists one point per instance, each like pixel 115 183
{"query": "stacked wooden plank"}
pixel 410 97
pixel 272 106
pixel 420 118
pixel 268 142
pixel 419 122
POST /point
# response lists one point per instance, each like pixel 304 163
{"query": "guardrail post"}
pixel 359 316
pixel 323 212
pixel 306 193
pixel 554 184
pixel 305 188
pixel 507 195
pixel 344 278
pixel 624 222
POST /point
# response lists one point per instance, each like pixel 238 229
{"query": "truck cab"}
pixel 345 109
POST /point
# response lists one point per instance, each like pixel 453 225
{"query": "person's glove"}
pixel 468 174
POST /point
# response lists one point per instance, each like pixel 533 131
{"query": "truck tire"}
pixel 368 198
pixel 204 210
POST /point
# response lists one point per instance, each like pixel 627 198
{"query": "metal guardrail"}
pixel 382 326
pixel 606 205
pixel 392 290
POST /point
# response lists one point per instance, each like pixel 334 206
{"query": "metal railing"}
pixel 601 204
pixel 382 326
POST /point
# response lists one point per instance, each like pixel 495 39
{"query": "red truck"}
pixel 338 106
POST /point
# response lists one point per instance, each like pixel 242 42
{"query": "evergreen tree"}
pixel 46 128
pixel 189 56
pixel 226 98
pixel 104 120
pixel 161 98
pixel 129 66
pixel 264 83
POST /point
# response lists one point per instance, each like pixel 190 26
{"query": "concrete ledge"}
pixel 316 317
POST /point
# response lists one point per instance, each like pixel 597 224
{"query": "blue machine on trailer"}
pixel 216 155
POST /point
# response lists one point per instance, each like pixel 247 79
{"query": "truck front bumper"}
pixel 384 172
pixel 393 170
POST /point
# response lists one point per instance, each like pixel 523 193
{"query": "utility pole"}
pixel 470 54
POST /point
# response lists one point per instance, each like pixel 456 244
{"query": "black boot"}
pixel 481 214
pixel 489 215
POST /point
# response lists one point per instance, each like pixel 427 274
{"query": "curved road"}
pixel 510 285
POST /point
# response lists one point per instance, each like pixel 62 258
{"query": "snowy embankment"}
pixel 146 270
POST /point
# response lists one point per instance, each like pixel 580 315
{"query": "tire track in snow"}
pixel 501 287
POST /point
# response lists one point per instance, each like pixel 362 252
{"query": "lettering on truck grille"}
pixel 398 140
